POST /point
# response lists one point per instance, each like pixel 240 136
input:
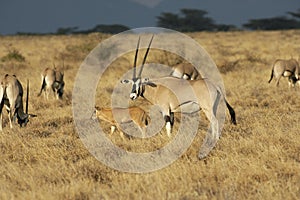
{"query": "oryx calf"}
pixel 52 80
pixel 286 68
pixel 178 95
pixel 185 71
pixel 11 96
pixel 124 115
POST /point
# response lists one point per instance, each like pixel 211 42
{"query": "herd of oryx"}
pixel 11 95
pixel 183 77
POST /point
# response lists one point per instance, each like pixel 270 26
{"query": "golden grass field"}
pixel 257 159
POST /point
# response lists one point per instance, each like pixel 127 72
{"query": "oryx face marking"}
pixel 135 91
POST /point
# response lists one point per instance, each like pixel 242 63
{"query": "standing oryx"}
pixel 162 92
pixel 11 96
pixel 286 68
pixel 52 79
pixel 186 71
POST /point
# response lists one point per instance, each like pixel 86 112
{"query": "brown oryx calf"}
pixel 286 68
pixel 136 115
pixel 52 80
pixel 191 96
pixel 185 71
pixel 11 96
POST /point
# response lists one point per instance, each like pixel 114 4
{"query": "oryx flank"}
pixel 11 96
pixel 52 80
pixel 124 115
pixel 185 71
pixel 159 92
pixel 286 68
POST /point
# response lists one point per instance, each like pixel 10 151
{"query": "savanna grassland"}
pixel 257 159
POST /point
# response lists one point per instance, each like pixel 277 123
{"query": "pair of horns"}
pixel 145 57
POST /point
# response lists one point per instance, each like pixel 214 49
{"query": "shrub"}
pixel 13 55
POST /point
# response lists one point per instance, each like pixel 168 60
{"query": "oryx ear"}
pixel 126 81
pixel 146 81
pixel 32 115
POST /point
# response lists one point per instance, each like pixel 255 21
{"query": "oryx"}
pixel 11 96
pixel 52 80
pixel 286 68
pixel 159 92
pixel 185 71
pixel 123 115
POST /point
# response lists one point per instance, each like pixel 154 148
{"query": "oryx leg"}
pixel 1 118
pixel 11 116
pixel 213 133
pixel 169 119
pixel 277 81
pixel 53 91
pixel 46 94
pixel 112 129
pixel 1 115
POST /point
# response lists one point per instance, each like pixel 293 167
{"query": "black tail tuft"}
pixel 232 113
pixel 272 74
pixel 43 87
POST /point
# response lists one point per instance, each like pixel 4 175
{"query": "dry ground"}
pixel 257 159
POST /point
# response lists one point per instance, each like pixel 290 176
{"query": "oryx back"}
pixel 185 71
pixel 123 115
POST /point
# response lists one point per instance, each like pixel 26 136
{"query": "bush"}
pixel 13 55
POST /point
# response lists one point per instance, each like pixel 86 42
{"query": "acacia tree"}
pixel 295 14
pixel 189 20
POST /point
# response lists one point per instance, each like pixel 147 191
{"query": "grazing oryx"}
pixel 52 79
pixel 136 114
pixel 185 71
pixel 204 95
pixel 11 96
pixel 286 68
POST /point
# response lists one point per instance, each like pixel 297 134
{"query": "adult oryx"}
pixel 204 95
pixel 286 68
pixel 186 71
pixel 11 96
pixel 52 80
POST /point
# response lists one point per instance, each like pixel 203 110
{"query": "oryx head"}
pixel 137 81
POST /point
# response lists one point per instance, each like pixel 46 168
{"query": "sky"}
pixel 41 16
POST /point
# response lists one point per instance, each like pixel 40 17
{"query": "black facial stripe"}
pixel 133 88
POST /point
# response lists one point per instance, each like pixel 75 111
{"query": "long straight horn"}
pixel 145 57
pixel 27 97
pixel 135 58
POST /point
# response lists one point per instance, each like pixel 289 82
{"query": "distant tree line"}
pixel 103 28
pixel 192 20
pixel 275 23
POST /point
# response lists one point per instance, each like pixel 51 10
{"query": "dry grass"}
pixel 257 159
